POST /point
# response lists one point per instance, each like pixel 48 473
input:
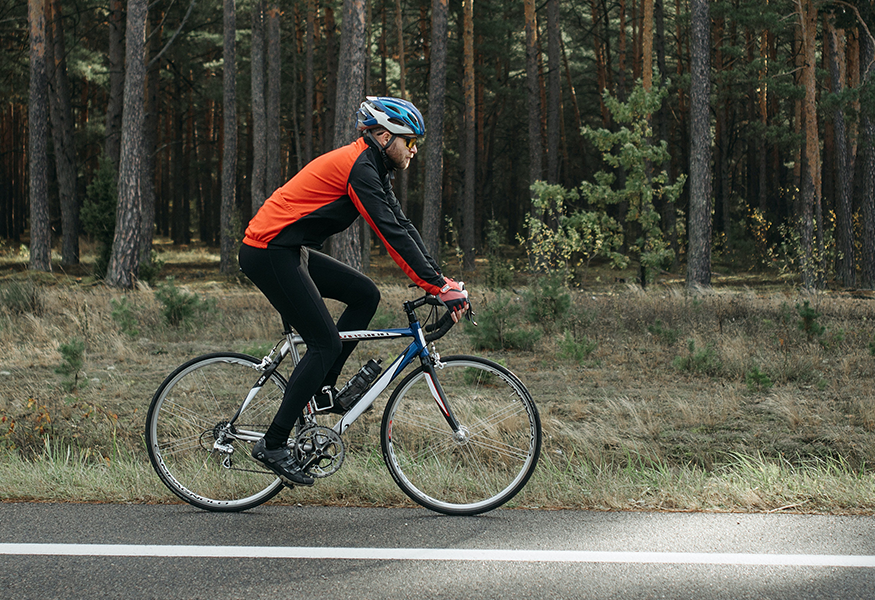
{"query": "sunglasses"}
pixel 410 142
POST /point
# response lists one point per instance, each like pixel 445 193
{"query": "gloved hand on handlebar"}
pixel 454 297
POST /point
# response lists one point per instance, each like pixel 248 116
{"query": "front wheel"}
pixel 481 466
pixel 195 449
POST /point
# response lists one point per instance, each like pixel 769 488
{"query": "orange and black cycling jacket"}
pixel 325 198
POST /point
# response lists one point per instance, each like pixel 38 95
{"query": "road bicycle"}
pixel 460 435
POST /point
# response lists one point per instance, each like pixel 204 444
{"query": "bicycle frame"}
pixel 417 348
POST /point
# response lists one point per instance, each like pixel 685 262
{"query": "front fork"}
pixel 429 362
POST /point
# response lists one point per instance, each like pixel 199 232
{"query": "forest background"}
pixel 751 135
pixel 562 173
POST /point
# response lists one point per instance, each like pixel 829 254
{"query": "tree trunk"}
pixel 259 128
pixel 434 161
pixel 273 173
pixel 124 263
pixel 867 152
pixel 62 134
pixel 699 258
pixel 647 46
pixel 810 184
pixel 346 246
pixel 116 55
pixel 309 80
pixel 40 234
pixel 554 77
pixel 533 94
pixel 402 182
pixel 331 66
pixel 600 61
pixel 844 170
pixel 13 171
pixel 150 137
pixel 470 128
pixel 669 209
pixel 721 138
pixel 229 225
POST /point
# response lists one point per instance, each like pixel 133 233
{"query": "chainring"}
pixel 319 450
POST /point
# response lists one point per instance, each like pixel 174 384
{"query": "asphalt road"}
pixel 131 551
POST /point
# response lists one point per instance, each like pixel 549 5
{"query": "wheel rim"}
pixel 481 466
pixel 195 451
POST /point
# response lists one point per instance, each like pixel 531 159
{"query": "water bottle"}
pixel 360 382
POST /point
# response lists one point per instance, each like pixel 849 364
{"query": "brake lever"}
pixel 469 314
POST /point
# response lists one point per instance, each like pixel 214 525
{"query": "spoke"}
pixel 181 445
pixel 499 448
pixel 256 410
pixel 496 418
pixel 425 423
pixel 184 413
pixel 430 449
pixel 478 464
pixel 204 385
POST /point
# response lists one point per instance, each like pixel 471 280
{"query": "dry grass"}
pixel 627 428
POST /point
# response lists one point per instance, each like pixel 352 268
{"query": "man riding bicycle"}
pixel 279 255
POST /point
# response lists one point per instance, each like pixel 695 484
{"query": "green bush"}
pixel 179 307
pixel 124 317
pixel 757 381
pixel 73 355
pixel 150 269
pixel 98 212
pixel 499 327
pixel 577 350
pixel 549 301
pixel 667 336
pixel 699 360
pixel 808 321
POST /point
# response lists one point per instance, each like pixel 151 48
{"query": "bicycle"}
pixel 460 435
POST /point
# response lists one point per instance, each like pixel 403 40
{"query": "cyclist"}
pixel 279 255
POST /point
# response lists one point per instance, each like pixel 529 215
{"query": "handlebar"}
pixel 439 328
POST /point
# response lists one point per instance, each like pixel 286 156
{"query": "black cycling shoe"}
pixel 281 462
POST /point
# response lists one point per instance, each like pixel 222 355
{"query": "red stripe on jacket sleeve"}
pixel 396 256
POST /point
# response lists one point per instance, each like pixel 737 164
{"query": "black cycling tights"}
pixel 295 280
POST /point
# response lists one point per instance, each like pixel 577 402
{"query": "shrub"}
pixel 98 212
pixel 808 321
pixel 701 360
pixel 549 302
pixel 181 307
pixel 757 381
pixel 576 350
pixel 124 316
pixel 667 336
pixel 500 328
pixel 73 355
pixel 150 269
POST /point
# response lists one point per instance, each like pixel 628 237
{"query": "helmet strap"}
pixel 390 164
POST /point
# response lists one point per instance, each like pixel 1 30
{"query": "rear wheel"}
pixel 481 466
pixel 195 450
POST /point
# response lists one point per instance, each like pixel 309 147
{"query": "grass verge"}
pixel 729 401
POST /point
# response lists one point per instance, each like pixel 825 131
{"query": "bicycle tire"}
pixel 185 418
pixel 471 473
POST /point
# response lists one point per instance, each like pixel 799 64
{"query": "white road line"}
pixel 441 554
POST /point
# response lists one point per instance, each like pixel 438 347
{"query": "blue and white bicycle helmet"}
pixel 397 116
